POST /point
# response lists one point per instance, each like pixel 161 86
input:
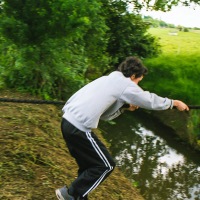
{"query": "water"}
pixel 153 158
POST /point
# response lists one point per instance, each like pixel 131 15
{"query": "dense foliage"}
pixel 51 48
pixel 165 5
pixel 127 33
pixel 174 76
pixel 155 23
pixel 175 73
pixel 44 44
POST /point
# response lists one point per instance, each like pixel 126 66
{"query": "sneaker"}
pixel 62 194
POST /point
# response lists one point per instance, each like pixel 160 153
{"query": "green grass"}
pixel 185 43
pixel 175 74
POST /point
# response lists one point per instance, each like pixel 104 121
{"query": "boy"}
pixel 103 99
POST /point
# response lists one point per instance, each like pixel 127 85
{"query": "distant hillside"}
pixel 160 23
pixel 34 159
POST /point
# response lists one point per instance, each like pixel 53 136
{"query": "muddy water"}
pixel 153 157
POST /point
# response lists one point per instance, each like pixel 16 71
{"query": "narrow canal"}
pixel 153 157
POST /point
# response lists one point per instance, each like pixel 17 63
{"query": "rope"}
pixel 54 102
pixel 194 107
pixel 31 101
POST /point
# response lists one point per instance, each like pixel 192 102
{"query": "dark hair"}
pixel 132 65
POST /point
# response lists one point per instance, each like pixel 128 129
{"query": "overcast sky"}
pixel 185 16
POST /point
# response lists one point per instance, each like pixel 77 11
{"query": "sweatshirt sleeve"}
pixel 144 99
pixel 111 116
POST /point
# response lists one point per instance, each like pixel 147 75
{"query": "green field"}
pixel 176 71
pixel 184 43
pixel 175 74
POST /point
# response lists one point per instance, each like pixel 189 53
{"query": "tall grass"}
pixel 176 72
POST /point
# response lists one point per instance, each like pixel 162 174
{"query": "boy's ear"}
pixel 133 77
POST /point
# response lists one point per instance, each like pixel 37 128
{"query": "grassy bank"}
pixel 34 159
pixel 175 74
pixel 184 124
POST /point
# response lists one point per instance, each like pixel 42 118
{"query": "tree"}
pixel 163 24
pixel 49 45
pixel 32 22
pixel 152 22
pixel 127 33
pixel 163 5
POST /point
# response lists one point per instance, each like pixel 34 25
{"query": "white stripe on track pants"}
pixel 94 161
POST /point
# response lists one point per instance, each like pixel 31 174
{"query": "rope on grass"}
pixel 31 101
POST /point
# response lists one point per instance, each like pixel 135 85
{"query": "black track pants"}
pixel 94 161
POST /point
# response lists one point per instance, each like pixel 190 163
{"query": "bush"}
pixel 49 70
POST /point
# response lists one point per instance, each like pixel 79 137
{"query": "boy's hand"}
pixel 132 107
pixel 180 105
pixel 128 107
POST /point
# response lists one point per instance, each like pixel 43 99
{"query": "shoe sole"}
pixel 59 195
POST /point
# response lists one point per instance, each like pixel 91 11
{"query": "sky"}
pixel 179 15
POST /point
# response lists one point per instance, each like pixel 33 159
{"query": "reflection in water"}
pixel 163 169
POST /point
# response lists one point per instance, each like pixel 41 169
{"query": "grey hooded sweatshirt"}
pixel 103 98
